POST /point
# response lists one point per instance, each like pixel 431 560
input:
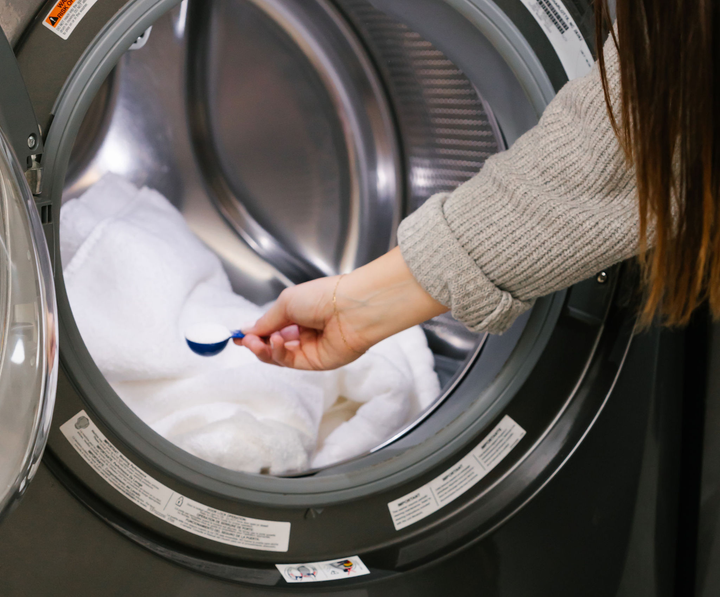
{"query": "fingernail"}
pixel 292 345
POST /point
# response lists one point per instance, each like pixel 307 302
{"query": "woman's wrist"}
pixel 380 299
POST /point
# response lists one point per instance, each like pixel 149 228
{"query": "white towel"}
pixel 137 277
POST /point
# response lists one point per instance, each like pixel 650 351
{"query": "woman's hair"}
pixel 669 127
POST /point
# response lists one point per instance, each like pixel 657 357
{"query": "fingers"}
pixel 259 348
pixel 290 333
pixel 279 349
pixel 274 319
pixel 286 348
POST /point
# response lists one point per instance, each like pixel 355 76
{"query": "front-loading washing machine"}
pixel 293 135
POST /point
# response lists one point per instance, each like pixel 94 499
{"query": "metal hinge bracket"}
pixel 33 175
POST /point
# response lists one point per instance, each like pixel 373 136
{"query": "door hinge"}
pixel 33 175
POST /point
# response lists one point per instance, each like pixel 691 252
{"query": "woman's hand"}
pixel 306 329
pixel 302 331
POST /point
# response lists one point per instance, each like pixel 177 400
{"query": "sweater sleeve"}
pixel 554 209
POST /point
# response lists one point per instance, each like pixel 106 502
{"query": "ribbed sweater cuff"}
pixel 446 271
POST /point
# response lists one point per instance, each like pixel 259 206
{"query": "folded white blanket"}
pixel 137 277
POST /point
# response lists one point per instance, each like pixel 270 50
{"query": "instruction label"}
pixel 459 478
pixel 564 35
pixel 65 16
pixel 323 571
pixel 168 505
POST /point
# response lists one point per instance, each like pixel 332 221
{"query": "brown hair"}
pixel 668 126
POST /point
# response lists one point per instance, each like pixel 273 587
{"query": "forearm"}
pixel 383 298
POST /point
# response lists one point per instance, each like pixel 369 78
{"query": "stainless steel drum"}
pixel 293 135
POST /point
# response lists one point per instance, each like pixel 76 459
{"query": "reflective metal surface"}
pixel 447 130
pixel 276 143
pixel 293 132
pixel 28 333
pixel 292 135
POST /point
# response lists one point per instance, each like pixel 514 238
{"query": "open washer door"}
pixel 28 321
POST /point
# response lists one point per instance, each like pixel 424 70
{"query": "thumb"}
pixel 274 319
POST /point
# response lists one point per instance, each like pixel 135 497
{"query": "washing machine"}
pixel 293 135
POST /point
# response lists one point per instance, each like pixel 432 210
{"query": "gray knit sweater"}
pixel 554 209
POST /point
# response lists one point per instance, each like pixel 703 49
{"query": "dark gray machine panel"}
pixel 603 527
pixel 17 118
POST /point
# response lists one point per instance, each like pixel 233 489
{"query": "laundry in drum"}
pixel 138 280
pixel 209 339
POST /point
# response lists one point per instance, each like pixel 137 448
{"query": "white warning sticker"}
pixel 65 16
pixel 323 571
pixel 168 505
pixel 564 35
pixel 459 478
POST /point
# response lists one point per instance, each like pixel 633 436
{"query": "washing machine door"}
pixel 28 322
